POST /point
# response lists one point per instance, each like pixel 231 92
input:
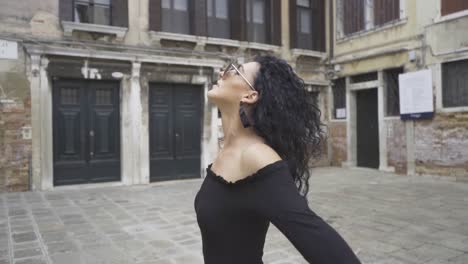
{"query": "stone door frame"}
pixel 351 135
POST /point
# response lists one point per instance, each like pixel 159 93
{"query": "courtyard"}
pixel 386 219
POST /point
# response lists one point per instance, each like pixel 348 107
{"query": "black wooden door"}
pixel 175 131
pixel 367 129
pixel 86 131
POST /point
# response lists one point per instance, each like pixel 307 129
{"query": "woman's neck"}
pixel 234 132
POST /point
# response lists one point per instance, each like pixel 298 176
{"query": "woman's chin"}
pixel 211 94
pixel 213 90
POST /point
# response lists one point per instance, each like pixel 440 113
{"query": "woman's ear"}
pixel 250 98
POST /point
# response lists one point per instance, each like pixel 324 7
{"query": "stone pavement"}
pixel 386 219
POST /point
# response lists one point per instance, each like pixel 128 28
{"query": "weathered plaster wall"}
pixel 437 35
pixel 374 64
pixel 441 145
pixel 39 18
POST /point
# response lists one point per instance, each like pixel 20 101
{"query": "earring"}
pixel 243 116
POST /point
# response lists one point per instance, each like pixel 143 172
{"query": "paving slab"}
pixel 386 219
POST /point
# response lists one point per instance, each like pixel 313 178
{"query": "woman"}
pixel 271 130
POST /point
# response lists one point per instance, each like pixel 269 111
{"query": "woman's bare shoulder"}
pixel 257 156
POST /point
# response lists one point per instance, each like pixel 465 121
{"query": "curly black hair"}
pixel 286 118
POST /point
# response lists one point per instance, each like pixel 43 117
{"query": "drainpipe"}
pixel 331 30
pixel 30 172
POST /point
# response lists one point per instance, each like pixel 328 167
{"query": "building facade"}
pixel 374 42
pixel 114 92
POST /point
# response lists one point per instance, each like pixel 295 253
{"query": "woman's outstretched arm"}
pixel 318 242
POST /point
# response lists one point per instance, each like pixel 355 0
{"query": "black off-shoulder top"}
pixel 234 218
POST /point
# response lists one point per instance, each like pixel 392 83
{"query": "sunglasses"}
pixel 230 70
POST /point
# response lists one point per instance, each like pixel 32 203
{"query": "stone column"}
pixel 143 145
pixel 351 135
pixel 210 125
pixel 46 128
pixel 135 140
pixel 285 37
pixel 35 80
pixel 383 162
pixel 41 116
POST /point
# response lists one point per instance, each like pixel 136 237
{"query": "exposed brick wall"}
pixel 15 152
pixel 441 145
pixel 396 145
pixel 337 139
pixel 321 160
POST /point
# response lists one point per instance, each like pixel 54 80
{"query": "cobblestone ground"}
pixel 385 218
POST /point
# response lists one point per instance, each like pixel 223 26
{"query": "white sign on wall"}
pixel 8 49
pixel 341 113
pixel 416 98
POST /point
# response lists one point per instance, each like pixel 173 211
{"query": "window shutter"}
pixel 361 20
pixel 386 11
pixel 320 30
pixel 331 29
pixel 353 16
pixel 293 24
pixel 452 6
pixel 199 17
pixel 120 13
pixel 348 20
pixel 66 10
pixel 378 12
pixel 275 18
pixel 155 15
pixel 238 19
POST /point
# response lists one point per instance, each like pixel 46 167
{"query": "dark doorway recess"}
pixel 367 128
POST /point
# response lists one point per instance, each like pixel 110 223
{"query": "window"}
pixel 386 11
pixel 175 16
pixel 455 84
pixel 101 12
pixel 93 11
pixel 392 91
pixel 339 98
pixel 309 27
pixel 256 16
pixel 358 15
pixel 219 25
pixel 453 6
pixel 313 92
pixel 365 77
pixel 314 98
pixel 246 20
